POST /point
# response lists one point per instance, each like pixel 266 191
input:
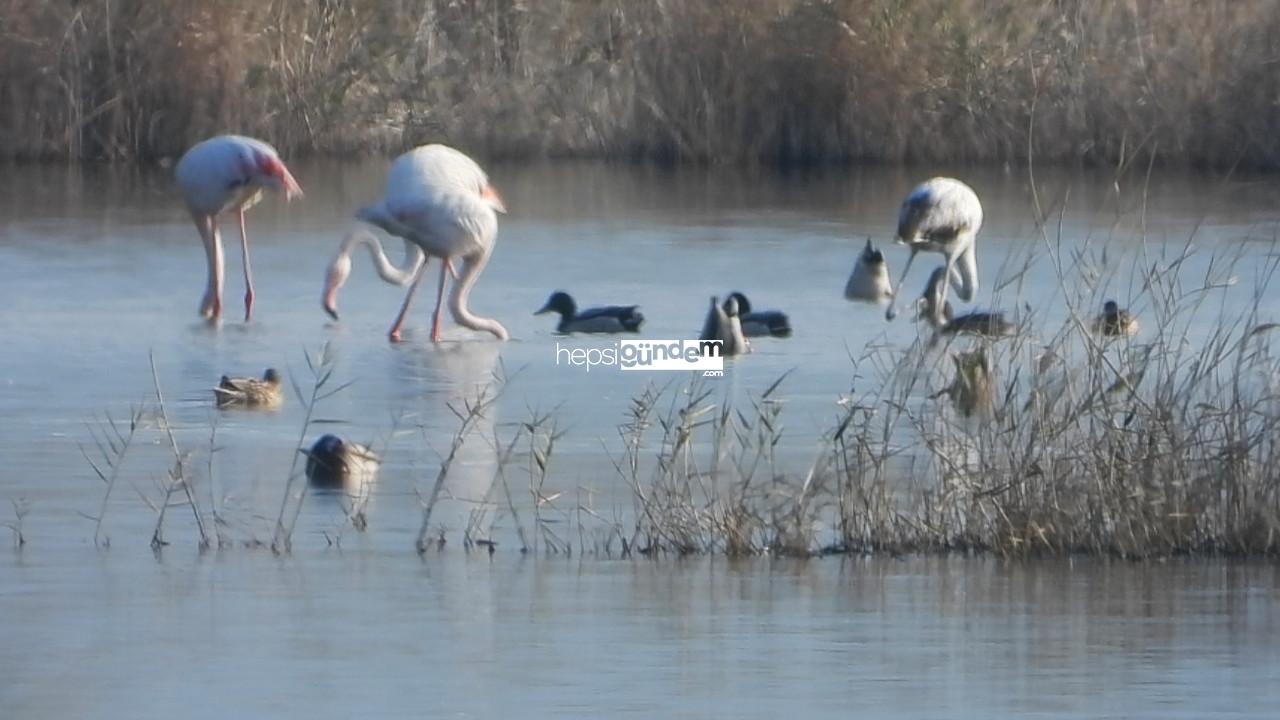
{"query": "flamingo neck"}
pixel 387 270
pixel 471 268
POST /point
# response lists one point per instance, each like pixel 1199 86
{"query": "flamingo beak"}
pixel 273 168
pixel 491 196
pixel 292 189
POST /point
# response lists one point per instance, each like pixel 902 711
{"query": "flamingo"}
pixel 441 204
pixel 220 175
pixel 941 215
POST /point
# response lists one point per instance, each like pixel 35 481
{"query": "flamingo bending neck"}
pixel 387 270
pixel 472 265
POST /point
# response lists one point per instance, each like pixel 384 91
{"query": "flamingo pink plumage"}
pixel 226 174
pixel 439 201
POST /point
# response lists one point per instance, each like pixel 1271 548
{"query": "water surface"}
pixel 101 268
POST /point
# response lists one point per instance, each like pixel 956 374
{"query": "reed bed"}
pixel 775 81
pixel 1080 444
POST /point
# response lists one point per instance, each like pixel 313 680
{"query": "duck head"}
pixel 326 464
pixel 744 306
pixel 271 376
pixel 561 303
pixel 327 445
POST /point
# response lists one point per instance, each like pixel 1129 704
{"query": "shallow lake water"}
pixel 100 267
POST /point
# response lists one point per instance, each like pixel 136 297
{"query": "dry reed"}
pixel 777 81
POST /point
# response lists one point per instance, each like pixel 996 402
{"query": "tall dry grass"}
pixel 775 81
pixel 1163 444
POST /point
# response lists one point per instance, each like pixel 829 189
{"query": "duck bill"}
pixel 545 309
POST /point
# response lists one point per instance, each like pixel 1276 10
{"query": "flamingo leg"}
pixel 445 271
pixel 211 304
pixel 892 311
pixel 946 282
pixel 248 274
pixel 394 335
pixel 966 267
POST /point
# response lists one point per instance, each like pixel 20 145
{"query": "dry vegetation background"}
pixel 773 81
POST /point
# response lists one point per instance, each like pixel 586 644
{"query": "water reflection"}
pixel 457 382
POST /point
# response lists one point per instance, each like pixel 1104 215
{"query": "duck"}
pixel 869 281
pixel 334 463
pixel 986 324
pixel 250 392
pixel 1114 322
pixel 946 322
pixel 759 323
pixel 971 390
pixel 607 319
pixel 724 323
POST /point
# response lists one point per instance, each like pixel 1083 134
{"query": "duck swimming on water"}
pixel 249 392
pixel 334 463
pixel 759 323
pixel 607 319
pixel 345 471
pixel 939 314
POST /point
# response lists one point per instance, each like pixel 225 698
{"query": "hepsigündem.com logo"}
pixel 657 355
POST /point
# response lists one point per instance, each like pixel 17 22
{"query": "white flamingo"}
pixel 941 215
pixel 224 174
pixel 441 204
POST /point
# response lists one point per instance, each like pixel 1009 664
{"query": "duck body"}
pixel 605 319
pixel 869 281
pixel 334 463
pixel 939 314
pixel 987 324
pixel 262 392
pixel 972 389
pixel 759 323
pixel 1114 322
